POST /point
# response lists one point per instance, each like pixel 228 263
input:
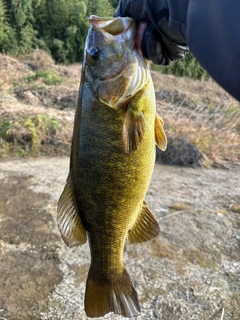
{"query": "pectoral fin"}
pixel 160 136
pixel 133 130
pixel 145 227
pixel 69 223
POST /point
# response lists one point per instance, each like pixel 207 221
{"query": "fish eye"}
pixel 94 52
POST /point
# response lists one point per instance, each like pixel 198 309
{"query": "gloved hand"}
pixel 164 38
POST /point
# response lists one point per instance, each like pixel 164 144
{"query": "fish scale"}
pixel 112 158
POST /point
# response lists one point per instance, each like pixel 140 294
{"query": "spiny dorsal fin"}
pixel 117 295
pixel 145 227
pixel 133 130
pixel 160 136
pixel 69 223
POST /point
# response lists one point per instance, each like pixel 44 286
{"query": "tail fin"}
pixel 117 295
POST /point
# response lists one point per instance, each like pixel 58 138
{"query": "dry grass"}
pixel 39 60
pixel 197 110
pixel 203 113
pixel 34 132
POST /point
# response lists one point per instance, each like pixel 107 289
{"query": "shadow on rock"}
pixel 29 260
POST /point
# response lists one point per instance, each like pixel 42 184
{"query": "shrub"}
pixel 187 67
pixel 49 77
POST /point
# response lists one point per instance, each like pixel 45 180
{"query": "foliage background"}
pixel 56 26
pixel 60 27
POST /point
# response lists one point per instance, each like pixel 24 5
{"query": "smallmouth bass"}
pixel 112 158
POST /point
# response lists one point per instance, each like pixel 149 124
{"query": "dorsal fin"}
pixel 69 223
pixel 145 227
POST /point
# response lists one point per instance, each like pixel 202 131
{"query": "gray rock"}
pixel 180 151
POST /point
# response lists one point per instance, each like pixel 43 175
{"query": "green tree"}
pixel 76 31
pixel 2 14
pixel 187 67
pixel 8 41
pixel 114 3
pixel 21 19
pixel 101 8
pixel 57 26
pixel 62 25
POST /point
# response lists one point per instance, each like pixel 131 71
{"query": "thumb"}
pixel 139 35
pixel 151 45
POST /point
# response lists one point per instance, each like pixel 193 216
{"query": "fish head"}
pixel 113 67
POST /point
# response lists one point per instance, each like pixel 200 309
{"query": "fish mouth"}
pixel 114 26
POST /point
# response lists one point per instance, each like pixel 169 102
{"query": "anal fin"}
pixel 69 223
pixel 133 130
pixel 145 227
pixel 160 136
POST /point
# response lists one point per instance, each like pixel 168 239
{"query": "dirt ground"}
pixel 192 271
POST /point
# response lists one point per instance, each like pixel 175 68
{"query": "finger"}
pixel 139 35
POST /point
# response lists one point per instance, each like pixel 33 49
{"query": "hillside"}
pixel 191 271
pixel 38 98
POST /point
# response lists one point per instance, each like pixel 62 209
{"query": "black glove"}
pixel 164 38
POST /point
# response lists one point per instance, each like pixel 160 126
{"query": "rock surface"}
pixel 192 271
